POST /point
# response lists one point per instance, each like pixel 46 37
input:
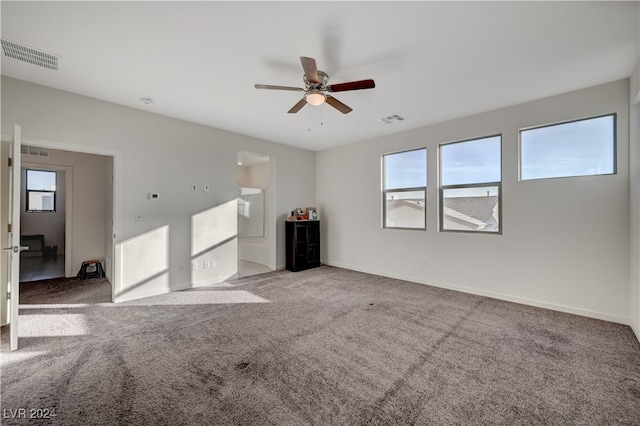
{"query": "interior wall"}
pixel 163 238
pixel 88 202
pixel 256 176
pixel 49 224
pixel 634 163
pixel 108 216
pixel 565 242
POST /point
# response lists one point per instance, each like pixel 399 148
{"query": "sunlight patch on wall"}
pixel 214 226
pixel 145 260
pixel 216 264
pixel 214 244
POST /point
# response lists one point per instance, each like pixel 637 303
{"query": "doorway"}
pixel 255 199
pixel 45 192
pixel 74 221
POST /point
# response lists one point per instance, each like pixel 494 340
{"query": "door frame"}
pixel 118 192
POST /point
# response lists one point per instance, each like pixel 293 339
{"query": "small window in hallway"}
pixel 41 191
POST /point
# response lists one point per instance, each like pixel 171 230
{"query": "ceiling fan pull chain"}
pixel 322 115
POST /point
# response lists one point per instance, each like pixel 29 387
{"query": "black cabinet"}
pixel 303 244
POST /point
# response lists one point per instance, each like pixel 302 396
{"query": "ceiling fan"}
pixel 316 89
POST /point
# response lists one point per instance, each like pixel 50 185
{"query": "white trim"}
pixel 500 296
pixel 635 328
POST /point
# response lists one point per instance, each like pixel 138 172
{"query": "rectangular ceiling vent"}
pixel 34 150
pixel 390 119
pixel 29 54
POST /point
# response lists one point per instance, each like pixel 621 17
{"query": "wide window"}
pixel 405 189
pixel 577 148
pixel 470 185
pixel 41 191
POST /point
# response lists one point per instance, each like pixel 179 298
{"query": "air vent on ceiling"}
pixel 34 150
pixel 390 119
pixel 29 54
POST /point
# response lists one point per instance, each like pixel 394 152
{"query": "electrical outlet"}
pixel 140 218
pixel 424 263
pixel 194 266
pixel 181 269
pixel 207 264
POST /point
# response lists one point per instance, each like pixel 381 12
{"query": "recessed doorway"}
pixel 255 202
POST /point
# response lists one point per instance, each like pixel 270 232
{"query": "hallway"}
pixel 40 268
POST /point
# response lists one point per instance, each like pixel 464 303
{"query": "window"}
pixel 577 148
pixel 41 191
pixel 404 189
pixel 470 185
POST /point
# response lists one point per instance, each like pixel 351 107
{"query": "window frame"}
pixel 614 115
pixel 442 188
pixel 29 191
pixel 385 191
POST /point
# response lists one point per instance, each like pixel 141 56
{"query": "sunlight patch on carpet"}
pixel 49 325
pixel 200 298
pixel 11 357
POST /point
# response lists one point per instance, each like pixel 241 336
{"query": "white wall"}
pixel 156 154
pixel 565 242
pixel 634 161
pixel 108 216
pixel 256 176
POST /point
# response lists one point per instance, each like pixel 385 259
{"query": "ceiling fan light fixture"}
pixel 315 98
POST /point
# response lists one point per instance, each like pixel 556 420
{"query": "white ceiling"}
pixel 431 61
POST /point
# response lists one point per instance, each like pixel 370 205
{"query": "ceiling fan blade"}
pixel 352 85
pixel 310 69
pixel 338 105
pixel 297 107
pixel 269 86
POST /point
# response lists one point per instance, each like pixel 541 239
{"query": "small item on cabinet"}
pixel 312 213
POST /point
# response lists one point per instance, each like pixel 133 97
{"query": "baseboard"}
pixel 635 328
pixel 500 296
pixel 123 297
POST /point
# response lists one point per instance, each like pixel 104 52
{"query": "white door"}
pixel 14 237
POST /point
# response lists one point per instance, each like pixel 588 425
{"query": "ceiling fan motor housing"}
pixel 323 78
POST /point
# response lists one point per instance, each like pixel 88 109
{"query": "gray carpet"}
pixel 326 346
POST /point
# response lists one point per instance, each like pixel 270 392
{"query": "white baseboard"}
pixel 500 296
pixel 635 328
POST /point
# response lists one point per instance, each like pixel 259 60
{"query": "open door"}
pixel 14 237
